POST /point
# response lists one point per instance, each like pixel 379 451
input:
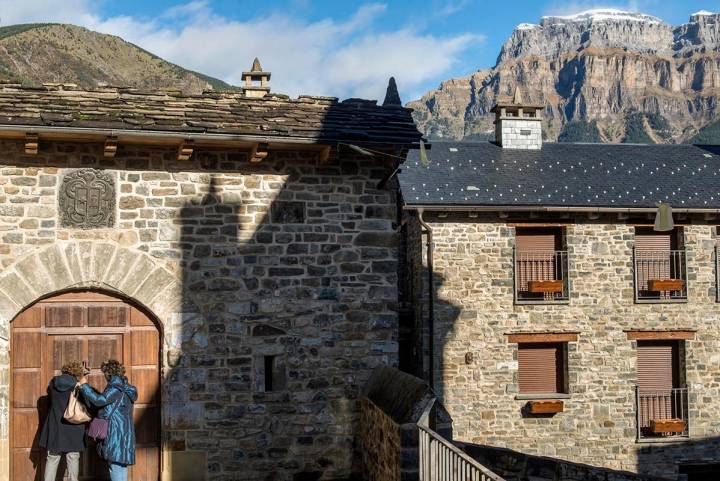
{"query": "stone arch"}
pixel 102 265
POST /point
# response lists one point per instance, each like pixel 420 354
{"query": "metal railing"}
pixel 441 460
pixel 652 266
pixel 534 271
pixel 662 413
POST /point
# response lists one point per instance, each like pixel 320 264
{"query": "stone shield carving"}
pixel 87 199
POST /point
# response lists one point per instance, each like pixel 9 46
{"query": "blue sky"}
pixel 327 47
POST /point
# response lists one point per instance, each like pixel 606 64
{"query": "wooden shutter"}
pixel 657 365
pixel 658 374
pixel 652 256
pixel 653 241
pixel 535 255
pixel 541 368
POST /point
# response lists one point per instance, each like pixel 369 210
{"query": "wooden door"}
pixel 90 327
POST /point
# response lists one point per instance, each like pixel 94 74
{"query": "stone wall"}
pixel 288 257
pixel 381 448
pixel 393 403
pixel 515 466
pixel 475 310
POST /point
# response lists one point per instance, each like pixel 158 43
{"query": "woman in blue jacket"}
pixel 116 404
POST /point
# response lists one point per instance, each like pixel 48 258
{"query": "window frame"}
pixel 560 233
pixel 561 371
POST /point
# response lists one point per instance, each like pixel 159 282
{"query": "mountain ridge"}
pixel 38 53
pixel 620 72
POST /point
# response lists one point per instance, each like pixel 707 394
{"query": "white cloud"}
pixel 351 57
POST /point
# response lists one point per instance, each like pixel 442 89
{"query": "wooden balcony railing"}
pixel 541 276
pixel 660 275
pixel 662 413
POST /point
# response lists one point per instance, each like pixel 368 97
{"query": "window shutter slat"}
pixel 655 366
pixel 538 366
pixel 653 242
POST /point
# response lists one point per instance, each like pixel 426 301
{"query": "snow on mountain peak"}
pixel 603 14
pixel 702 13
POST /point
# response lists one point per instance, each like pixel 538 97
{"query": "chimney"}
pixel 257 82
pixel 518 125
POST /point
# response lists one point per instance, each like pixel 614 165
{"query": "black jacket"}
pixel 58 435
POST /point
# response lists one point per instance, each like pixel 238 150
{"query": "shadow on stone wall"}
pixel 697 458
pixel 281 271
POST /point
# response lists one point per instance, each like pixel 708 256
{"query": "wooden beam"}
pixel 324 154
pixel 111 146
pixel 185 150
pixel 679 334
pixel 31 143
pixel 259 152
pixel 534 337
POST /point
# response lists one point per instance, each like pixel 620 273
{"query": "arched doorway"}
pixel 89 326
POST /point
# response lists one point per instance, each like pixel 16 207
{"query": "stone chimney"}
pixel 257 82
pixel 518 125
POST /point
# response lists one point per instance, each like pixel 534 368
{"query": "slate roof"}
pixel 314 118
pixel 564 175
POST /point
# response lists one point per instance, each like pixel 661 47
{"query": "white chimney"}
pixel 518 125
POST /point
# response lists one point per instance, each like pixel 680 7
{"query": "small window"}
pixel 542 368
pixel 273 373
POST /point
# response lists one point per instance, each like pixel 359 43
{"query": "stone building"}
pixel 550 313
pixel 237 250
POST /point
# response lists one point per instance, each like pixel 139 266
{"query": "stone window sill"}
pixel 665 440
pixel 534 397
pixel 542 303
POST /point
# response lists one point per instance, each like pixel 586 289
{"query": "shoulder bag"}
pixel 98 429
pixel 76 412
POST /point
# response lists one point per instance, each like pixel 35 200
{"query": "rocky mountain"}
pixel 38 53
pixel 604 74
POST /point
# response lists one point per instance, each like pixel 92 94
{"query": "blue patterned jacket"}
pixel 119 447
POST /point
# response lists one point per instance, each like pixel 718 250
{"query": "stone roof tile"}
pixel 317 118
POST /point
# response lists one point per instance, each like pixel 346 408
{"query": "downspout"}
pixel 431 297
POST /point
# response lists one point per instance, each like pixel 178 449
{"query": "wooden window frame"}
pixel 560 233
pixel 561 369
pixel 677 260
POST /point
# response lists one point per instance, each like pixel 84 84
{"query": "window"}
pixel 542 368
pixel 662 398
pixel 541 265
pixel 660 267
pixel 273 374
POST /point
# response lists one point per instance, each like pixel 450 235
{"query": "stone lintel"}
pixel 660 335
pixel 535 337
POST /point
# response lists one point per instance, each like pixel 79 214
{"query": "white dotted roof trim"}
pixel 587 175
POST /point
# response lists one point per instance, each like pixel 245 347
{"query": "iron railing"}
pixel 662 413
pixel 441 460
pixel 533 267
pixel 652 266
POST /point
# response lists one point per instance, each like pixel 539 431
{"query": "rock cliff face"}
pixel 618 72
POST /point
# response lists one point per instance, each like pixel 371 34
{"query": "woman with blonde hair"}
pixel 116 406
pixel 59 436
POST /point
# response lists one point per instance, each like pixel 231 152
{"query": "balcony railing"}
pixel 541 276
pixel 440 460
pixel 660 275
pixel 662 413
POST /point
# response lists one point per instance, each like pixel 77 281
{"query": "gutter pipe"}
pixel 431 297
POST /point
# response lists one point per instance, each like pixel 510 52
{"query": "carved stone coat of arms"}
pixel 87 199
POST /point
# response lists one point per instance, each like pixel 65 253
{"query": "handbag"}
pixel 98 429
pixel 76 412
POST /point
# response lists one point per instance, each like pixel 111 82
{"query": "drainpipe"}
pixel 431 296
